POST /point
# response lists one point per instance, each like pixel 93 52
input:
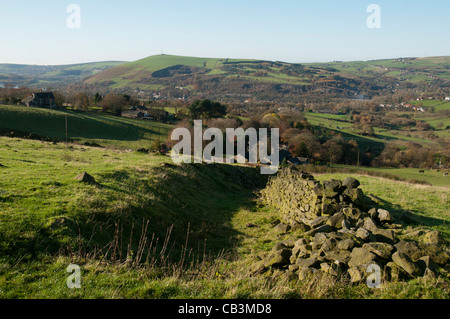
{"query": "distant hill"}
pixel 50 75
pixel 214 77
pixel 238 79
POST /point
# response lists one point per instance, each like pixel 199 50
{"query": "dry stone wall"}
pixel 334 228
pixel 301 198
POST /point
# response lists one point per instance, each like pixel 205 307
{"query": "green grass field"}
pixel 151 229
pixel 105 130
pixel 433 177
pixel 49 220
pixel 438 105
pixel 418 68
pixel 343 125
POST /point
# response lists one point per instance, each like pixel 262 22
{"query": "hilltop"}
pixel 238 79
pixel 181 76
pixel 38 76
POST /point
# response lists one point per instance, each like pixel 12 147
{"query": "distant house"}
pixel 44 99
pixel 136 114
pixel 298 160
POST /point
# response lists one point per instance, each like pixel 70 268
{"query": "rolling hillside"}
pixel 238 79
pixel 50 75
pixel 213 77
pixel 83 127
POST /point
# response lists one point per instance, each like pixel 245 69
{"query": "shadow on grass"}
pixel 412 218
pixel 193 203
pixel 50 126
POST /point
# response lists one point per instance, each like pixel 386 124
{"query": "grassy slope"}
pixel 427 205
pixel 40 75
pixel 433 177
pixel 215 201
pixel 130 187
pixel 393 67
pixel 41 212
pixel 127 73
pixel 131 74
pixel 106 130
pixel 342 124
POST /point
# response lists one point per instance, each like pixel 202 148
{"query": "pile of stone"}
pixel 330 227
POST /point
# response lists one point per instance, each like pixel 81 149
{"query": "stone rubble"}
pixel 334 228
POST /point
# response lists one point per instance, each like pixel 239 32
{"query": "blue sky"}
pixel 36 32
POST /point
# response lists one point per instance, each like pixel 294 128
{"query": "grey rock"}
pixel 320 229
pixel 363 233
pixel 350 182
pixel 289 243
pixel 336 220
pixel 319 239
pixel 278 259
pixel 409 248
pixel 356 274
pixel 297 252
pixel 345 225
pixel 85 178
pixel 373 213
pixel 258 267
pixel 328 245
pixel 293 268
pixel 384 216
pixel 346 244
pixel 429 273
pixel 282 228
pixel 297 226
pixel 278 246
pixel 341 256
pixel 308 262
pixel 319 221
pixel 439 255
pixel 369 224
pixel 360 256
pixel 395 272
pixel 380 249
pixel 432 237
pixel 301 241
pixel 331 269
pixel 403 261
pixel 425 263
pixel 385 235
pixel 333 184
